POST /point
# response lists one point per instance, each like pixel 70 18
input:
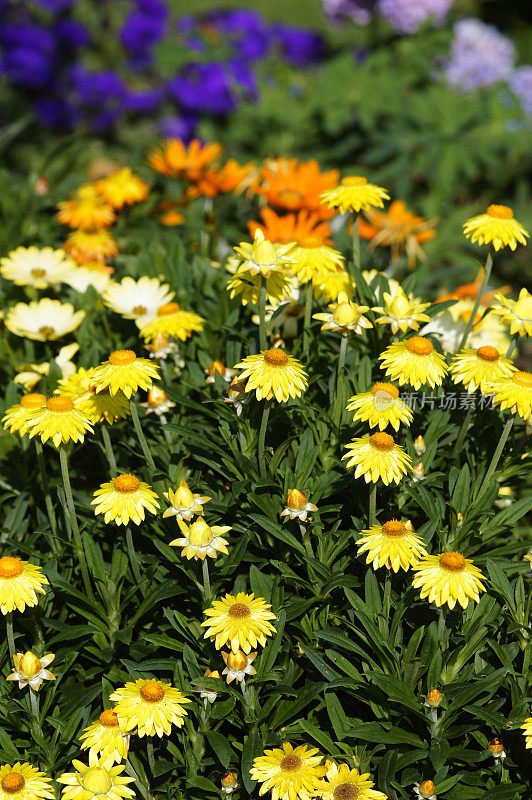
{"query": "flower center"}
pixel 97 781
pixel 126 483
pixel 345 314
pixel 34 400
pixel 452 562
pixel 264 253
pixel 346 791
pixel 488 353
pixel 168 308
pixel 46 331
pixel 291 197
pixel 29 665
pixel 152 692
pixel 419 345
pixel 239 611
pixel 311 242
pixel 382 441
pixel 122 358
pixel 500 212
pixel 291 763
pixel 60 404
pixel 10 567
pixel 13 782
pixel 387 388
pixel 276 357
pixel 37 272
pixel 139 311
pixel 522 379
pixel 394 528
pixel 109 718
pixel 354 180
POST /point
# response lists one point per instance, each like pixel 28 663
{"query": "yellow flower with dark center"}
pixel 391 545
pixel 526 727
pixel 477 369
pixel 377 456
pixel 273 373
pixel 125 499
pixel 122 188
pixel 331 283
pixel 200 540
pixel 242 620
pixel 60 421
pixel 86 211
pixel 150 706
pixel 401 311
pixel 414 361
pixel 31 670
pixel 290 773
pixel 124 372
pixel 184 504
pixel 262 257
pixel 19 583
pixel 279 287
pixel 36 266
pixel 80 387
pixel 515 313
pixel 344 317
pixel 19 417
pixel 137 299
pixel 381 407
pixel 514 393
pixel 497 227
pixel 99 780
pixel 448 578
pixel 345 783
pixel 87 247
pixel 107 737
pixel 24 782
pixel 355 194
pixel 43 320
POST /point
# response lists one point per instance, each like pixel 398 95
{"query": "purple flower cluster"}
pixel 406 16
pixel 360 11
pixel 480 55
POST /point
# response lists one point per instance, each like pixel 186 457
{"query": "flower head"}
pixel 448 578
pixel 80 387
pixel 279 287
pixel 125 499
pixel 229 782
pixel 177 160
pixel 19 583
pixel 515 313
pixel 86 211
pixel 107 737
pixel 399 229
pixel 297 505
pixel 238 665
pixel 377 456
pixel 477 369
pixel 172 320
pixel 401 311
pixel 289 773
pixel 19 417
pixel 433 698
pixel 330 284
pixel 232 177
pixel 291 185
pixel 122 188
pixel 497 227
pixel 496 748
pixel 526 727
pixel 414 361
pixel 241 620
pixel 81 277
pixel 355 194
pixel 200 540
pixel 184 504
pixel 124 372
pixel 514 393
pixel 31 670
pixel 150 706
pixel 391 544
pixel 262 257
pixel 158 402
pixel 87 247
pixel 381 407
pixel 345 783
pixel 24 782
pixel 273 373
pixel 43 320
pixel 34 266
pixel 426 790
pixel 344 317
pixel 60 421
pixel 137 299
pixel 98 780
pixel 206 693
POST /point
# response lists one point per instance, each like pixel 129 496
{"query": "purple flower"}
pixel 144 27
pixel 204 87
pixel 143 102
pixel 179 127
pixel 520 83
pixel 244 30
pixel 480 55
pixel 100 95
pixel 360 11
pixel 57 113
pixel 55 6
pixel 406 16
pixel 71 33
pixel 243 76
pixel 28 54
pixel 300 46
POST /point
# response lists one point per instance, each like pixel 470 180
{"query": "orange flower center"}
pixel 389 388
pixel 291 197
pixel 276 357
pixel 311 242
pixel 354 180
pixel 122 358
pixel 239 611
pixel 60 404
pixel 12 783
pixel 126 483
pixel 109 718
pixel 382 441
pixel 522 379
pixel 34 400
pixel 488 353
pixel 139 311
pixel 46 331
pixel 10 567
pixel 500 212
pixel 346 791
pixel 291 763
pixel 37 272
pixel 453 562
pixel 152 692
pixel 168 308
pixel 394 528
pixel 419 345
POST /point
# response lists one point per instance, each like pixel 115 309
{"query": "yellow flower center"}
pixel 33 400
pixel 139 311
pixel 388 388
pixel 452 562
pixel 168 308
pixel 346 791
pixel 419 345
pixel 152 692
pixel 394 528
pixel 382 441
pixel 522 379
pixel 126 483
pixel 46 331
pixel 97 781
pixel 37 272
pixel 291 763
pixel 264 253
pixel 200 533
pixel 345 314
pixel 237 661
pixel 500 212
pixel 109 718
pixel 354 180
pixel 427 788
pixel 12 783
pixel 488 353
pixel 239 611
pixel 276 357
pixel 29 665
pixel 122 358
pixel 60 404
pixel 10 567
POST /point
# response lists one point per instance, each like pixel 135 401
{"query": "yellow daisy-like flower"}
pixel 86 211
pixel 392 544
pixel 122 188
pixel 414 361
pixel 172 320
pixel 527 728
pixel 377 456
pixel 124 372
pixel 43 320
pixel 477 369
pixel 279 287
pixel 150 706
pixel 314 260
pixel 19 583
pixel 329 285
pixel 35 266
pixel 19 417
pixel 448 578
pixel 262 257
pixel 401 311
pixel 137 299
pixel 80 387
pixel 60 421
pixel 381 407
pixel 24 782
pixel 183 503
pixel 31 670
pixel 290 773
pixel 344 317
pixel 497 227
pixel 515 313
pixel 107 737
pixel 125 499
pixel 200 540
pixel 273 373
pixel 355 194
pixel 345 783
pixel 514 393
pixel 241 620
pixel 99 780
pixel 87 247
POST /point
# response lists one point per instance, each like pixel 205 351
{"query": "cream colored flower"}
pixel 43 320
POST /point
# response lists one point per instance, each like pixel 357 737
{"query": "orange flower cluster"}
pixel 399 229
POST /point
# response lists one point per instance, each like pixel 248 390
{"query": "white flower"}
pixel 138 300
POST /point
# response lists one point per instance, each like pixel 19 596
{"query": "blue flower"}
pixel 300 46
pixel 204 87
pixel 28 54
pixel 179 127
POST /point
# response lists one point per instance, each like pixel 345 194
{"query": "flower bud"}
pixel 434 698
pixel 345 314
pixel 156 397
pixel 426 789
pixel 236 661
pixel 97 780
pixel 29 665
pixel 419 471
pixel 420 446
pixel 496 746
pixel 216 366
pixel 229 782
pixel 296 500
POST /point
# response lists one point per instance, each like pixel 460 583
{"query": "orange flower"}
pixel 177 160
pixel 229 178
pixel 292 185
pixel 303 227
pixel 86 210
pixel 90 246
pixel 469 291
pixel 172 218
pixel 399 229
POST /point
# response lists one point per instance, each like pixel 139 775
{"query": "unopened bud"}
pixel 427 789
pixel 419 471
pixel 29 665
pixel 296 499
pixel 496 746
pixel 434 698
pixel 420 446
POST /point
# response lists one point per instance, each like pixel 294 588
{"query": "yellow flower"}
pixel 273 373
pixel 377 456
pixel 329 285
pixel 497 226
pixel 401 311
pixel 43 320
pixel 527 728
pixel 200 540
pixel 19 417
pixel 262 257
pixel 279 287
pixel 124 499
pixel 414 361
pixel 345 783
pixel 150 706
pixel 124 372
pixel 515 313
pixel 34 266
pixel 86 247
pixel 24 782
pixel 345 317
pixel 60 421
pixel 80 387
pixel 433 698
pixel 448 578
pixel 355 194
pixel 297 505
pixel 122 188
pixel 238 665
pixel 314 261
pixel 137 299
pixel 19 583
pixel 391 544
pixel 184 504
pixel 514 393
pixel 99 780
pixel 381 407
pixel 477 369
pixel 29 669
pixel 241 620
pixel 86 211
pixel 107 737
pixel 290 773
pixel 171 320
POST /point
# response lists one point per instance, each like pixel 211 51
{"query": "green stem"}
pixel 262 437
pixel 47 497
pixel 34 702
pixel 262 314
pixel 108 447
pixel 78 544
pixel 386 603
pixel 133 556
pixel 485 280
pixel 305 535
pixel 496 456
pixel 462 432
pixel 309 297
pixel 140 436
pixel 339 404
pixel 512 345
pixel 372 504
pixel 10 635
pixel 356 242
pixel 441 625
pixel 206 581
